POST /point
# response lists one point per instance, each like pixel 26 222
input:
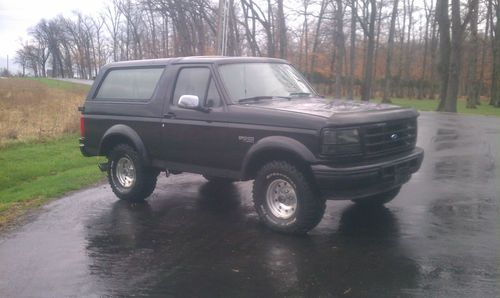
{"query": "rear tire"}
pixel 129 179
pixel 379 199
pixel 284 199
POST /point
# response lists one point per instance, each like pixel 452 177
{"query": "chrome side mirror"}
pixel 189 102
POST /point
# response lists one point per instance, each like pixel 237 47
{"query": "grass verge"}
pixel 33 172
pixel 431 105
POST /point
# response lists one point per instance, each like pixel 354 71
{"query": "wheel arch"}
pixel 276 148
pixel 122 134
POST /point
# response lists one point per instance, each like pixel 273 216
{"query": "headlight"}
pixel 340 141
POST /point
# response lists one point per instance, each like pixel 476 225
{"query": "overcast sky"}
pixel 17 16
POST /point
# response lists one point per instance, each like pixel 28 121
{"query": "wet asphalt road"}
pixel 439 237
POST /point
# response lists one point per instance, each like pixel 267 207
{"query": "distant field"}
pixel 37 109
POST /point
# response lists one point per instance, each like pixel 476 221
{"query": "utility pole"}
pixel 222 26
pixel 7 63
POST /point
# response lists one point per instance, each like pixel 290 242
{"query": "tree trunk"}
pixel 434 50
pixel 450 104
pixel 484 51
pixel 282 30
pixel 367 80
pixel 408 58
pixel 305 36
pixel 377 45
pixel 316 37
pixel 402 29
pixel 390 47
pixel 352 58
pixel 444 49
pixel 472 78
pixel 339 41
pixel 495 80
pixel 421 87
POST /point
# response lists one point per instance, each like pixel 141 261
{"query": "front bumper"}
pixel 353 182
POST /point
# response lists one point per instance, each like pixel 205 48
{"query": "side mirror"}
pixel 191 102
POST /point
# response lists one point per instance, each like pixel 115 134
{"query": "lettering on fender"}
pixel 245 139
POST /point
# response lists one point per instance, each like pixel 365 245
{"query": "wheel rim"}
pixel 125 172
pixel 281 199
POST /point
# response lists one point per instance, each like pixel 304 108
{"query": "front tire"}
pixel 129 179
pixel 284 199
pixel 378 199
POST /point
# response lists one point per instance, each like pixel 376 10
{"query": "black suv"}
pixel 237 119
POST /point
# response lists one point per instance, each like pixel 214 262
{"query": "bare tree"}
pixel 22 59
pixel 408 59
pixel 417 36
pixel 455 58
pixel 368 27
pixel 444 48
pixel 472 76
pixel 340 45
pixel 390 47
pixel 111 17
pixel 314 54
pixel 495 79
pixel 282 30
pixel 352 55
pixel 428 20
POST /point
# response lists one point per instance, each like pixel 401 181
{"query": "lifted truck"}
pixel 238 119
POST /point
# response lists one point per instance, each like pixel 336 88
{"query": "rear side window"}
pixel 134 84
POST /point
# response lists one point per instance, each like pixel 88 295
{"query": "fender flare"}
pixel 273 143
pixel 123 131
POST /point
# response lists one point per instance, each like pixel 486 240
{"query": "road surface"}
pixel 77 81
pixel 438 238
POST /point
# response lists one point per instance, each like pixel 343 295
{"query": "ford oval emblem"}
pixel 394 136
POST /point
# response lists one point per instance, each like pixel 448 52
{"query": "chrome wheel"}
pixel 125 172
pixel 281 199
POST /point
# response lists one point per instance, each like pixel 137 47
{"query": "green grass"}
pixel 431 105
pixel 57 84
pixel 31 173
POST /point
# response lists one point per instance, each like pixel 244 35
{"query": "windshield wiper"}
pixel 257 98
pixel 300 93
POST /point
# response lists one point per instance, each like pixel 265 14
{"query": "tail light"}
pixel 82 126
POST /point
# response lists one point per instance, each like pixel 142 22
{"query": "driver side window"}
pixel 196 81
pixel 213 97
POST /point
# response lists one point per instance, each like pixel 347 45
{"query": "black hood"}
pixel 340 112
pixel 324 107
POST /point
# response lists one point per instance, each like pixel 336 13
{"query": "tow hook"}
pixel 103 166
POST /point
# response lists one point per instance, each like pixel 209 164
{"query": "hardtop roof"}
pixel 193 59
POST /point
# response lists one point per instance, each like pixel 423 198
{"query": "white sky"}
pixel 17 16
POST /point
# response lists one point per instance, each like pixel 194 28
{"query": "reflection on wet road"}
pixel 439 237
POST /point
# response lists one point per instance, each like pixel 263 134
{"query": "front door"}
pixel 194 137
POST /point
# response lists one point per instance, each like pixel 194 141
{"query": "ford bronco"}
pixel 237 119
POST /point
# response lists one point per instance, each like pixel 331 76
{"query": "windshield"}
pixel 254 81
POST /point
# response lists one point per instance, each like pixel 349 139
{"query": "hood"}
pixel 323 107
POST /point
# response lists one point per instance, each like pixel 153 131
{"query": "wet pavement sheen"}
pixel 439 237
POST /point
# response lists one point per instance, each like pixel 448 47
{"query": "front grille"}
pixel 387 138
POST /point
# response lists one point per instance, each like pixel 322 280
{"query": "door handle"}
pixel 169 115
